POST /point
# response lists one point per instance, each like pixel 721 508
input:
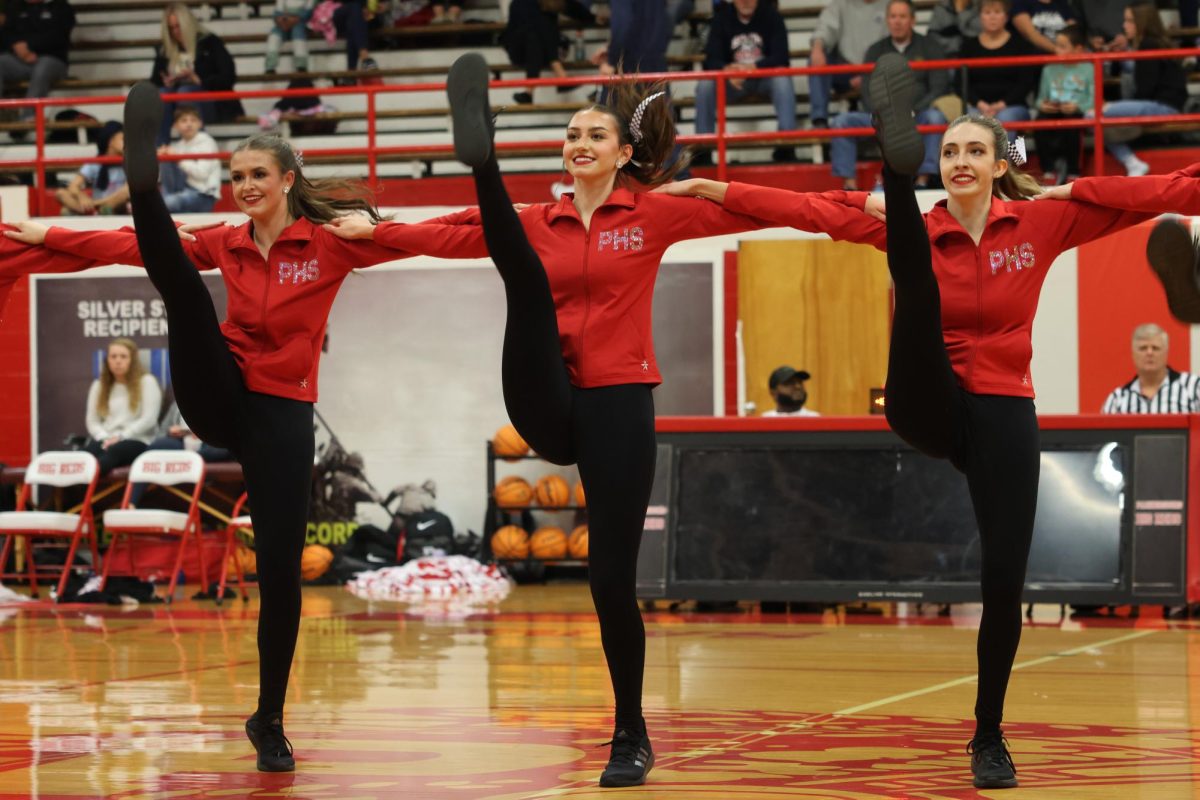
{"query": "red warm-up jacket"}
pixel 602 277
pixel 989 291
pixel 18 259
pixel 276 309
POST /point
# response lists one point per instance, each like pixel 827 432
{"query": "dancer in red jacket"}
pixel 967 277
pixel 248 384
pixel 578 362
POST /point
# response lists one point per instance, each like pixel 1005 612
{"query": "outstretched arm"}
pixel 457 235
pixel 844 216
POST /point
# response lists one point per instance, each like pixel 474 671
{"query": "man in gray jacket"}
pixel 845 29
pixel 931 84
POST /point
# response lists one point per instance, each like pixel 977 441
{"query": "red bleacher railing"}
pixel 721 138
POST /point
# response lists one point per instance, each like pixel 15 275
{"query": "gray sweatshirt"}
pixel 851 26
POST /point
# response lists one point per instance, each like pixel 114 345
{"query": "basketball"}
pixel 552 491
pixel 580 499
pixel 507 443
pixel 548 542
pixel 243 557
pixel 511 541
pixel 577 545
pixel 315 561
pixel 513 492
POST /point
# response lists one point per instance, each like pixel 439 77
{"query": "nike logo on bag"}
pixel 423 525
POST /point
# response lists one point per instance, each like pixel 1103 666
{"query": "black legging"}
pixel 608 431
pixel 991 439
pixel 271 436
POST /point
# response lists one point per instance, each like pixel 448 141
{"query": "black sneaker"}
pixel 991 764
pixel 274 749
pixel 783 155
pixel 467 89
pixel 892 92
pixel 630 761
pixel 143 118
pixel 523 98
pixel 1171 251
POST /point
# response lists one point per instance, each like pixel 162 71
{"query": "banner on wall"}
pixel 74 320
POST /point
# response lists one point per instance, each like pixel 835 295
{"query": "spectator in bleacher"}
pixel 746 35
pixel 845 29
pixel 36 37
pixel 531 37
pixel 447 14
pixel 1039 21
pixel 122 407
pixel 1067 91
pixel 1103 22
pixel 1159 85
pixel 191 59
pixel 99 188
pixel 952 22
pixel 353 20
pixel 639 33
pixel 1000 92
pixel 193 184
pixel 931 85
pixel 291 20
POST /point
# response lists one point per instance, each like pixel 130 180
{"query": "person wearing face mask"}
pixel 788 390
pixel 967 276
pixel 247 384
pixel 578 365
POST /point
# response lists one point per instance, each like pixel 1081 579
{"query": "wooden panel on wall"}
pixel 820 306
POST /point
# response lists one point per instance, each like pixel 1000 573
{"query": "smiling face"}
pixel 968 162
pixel 258 185
pixel 119 358
pixel 592 150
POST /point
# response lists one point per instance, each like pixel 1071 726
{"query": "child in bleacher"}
pixel 99 188
pixel 1067 91
pixel 192 184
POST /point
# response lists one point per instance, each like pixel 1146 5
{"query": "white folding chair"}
pixel 165 468
pixel 58 469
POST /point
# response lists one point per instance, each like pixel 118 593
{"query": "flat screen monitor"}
pixel 883 516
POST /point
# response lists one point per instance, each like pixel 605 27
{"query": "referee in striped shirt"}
pixel 1156 389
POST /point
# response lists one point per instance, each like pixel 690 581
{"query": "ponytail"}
pixel 646 121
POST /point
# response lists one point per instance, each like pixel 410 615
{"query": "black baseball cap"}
pixel 784 374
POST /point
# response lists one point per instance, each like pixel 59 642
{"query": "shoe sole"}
pixel 289 766
pixel 143 118
pixel 467 90
pixel 1008 783
pixel 1172 255
pixel 891 91
pixel 611 784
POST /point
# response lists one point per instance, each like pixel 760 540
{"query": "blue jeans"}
pixel 820 87
pixel 207 109
pixel 843 150
pixel 1009 114
pixel 178 195
pixel 1130 108
pixel 780 89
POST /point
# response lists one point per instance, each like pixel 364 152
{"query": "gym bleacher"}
pixel 113 46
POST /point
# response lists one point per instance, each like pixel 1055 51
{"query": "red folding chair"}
pixel 237 521
pixel 56 469
pixel 164 468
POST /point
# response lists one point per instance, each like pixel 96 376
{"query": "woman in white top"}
pixel 122 407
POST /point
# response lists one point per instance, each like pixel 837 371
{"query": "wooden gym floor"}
pixel 513 703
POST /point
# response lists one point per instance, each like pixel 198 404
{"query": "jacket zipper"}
pixel 262 320
pixel 587 292
pixel 978 313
